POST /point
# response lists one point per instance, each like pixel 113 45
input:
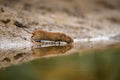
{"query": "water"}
pixel 92 65
pixel 82 60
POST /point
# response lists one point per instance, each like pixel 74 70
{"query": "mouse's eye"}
pixel 32 37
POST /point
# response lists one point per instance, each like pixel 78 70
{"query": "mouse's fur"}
pixel 52 36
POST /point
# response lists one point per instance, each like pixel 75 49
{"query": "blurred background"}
pixel 71 7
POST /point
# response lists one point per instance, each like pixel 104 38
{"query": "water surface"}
pixel 100 64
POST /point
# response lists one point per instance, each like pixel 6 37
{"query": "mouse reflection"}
pixel 51 50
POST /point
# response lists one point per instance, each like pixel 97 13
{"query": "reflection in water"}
pixel 95 65
pixel 51 50
pixel 13 57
